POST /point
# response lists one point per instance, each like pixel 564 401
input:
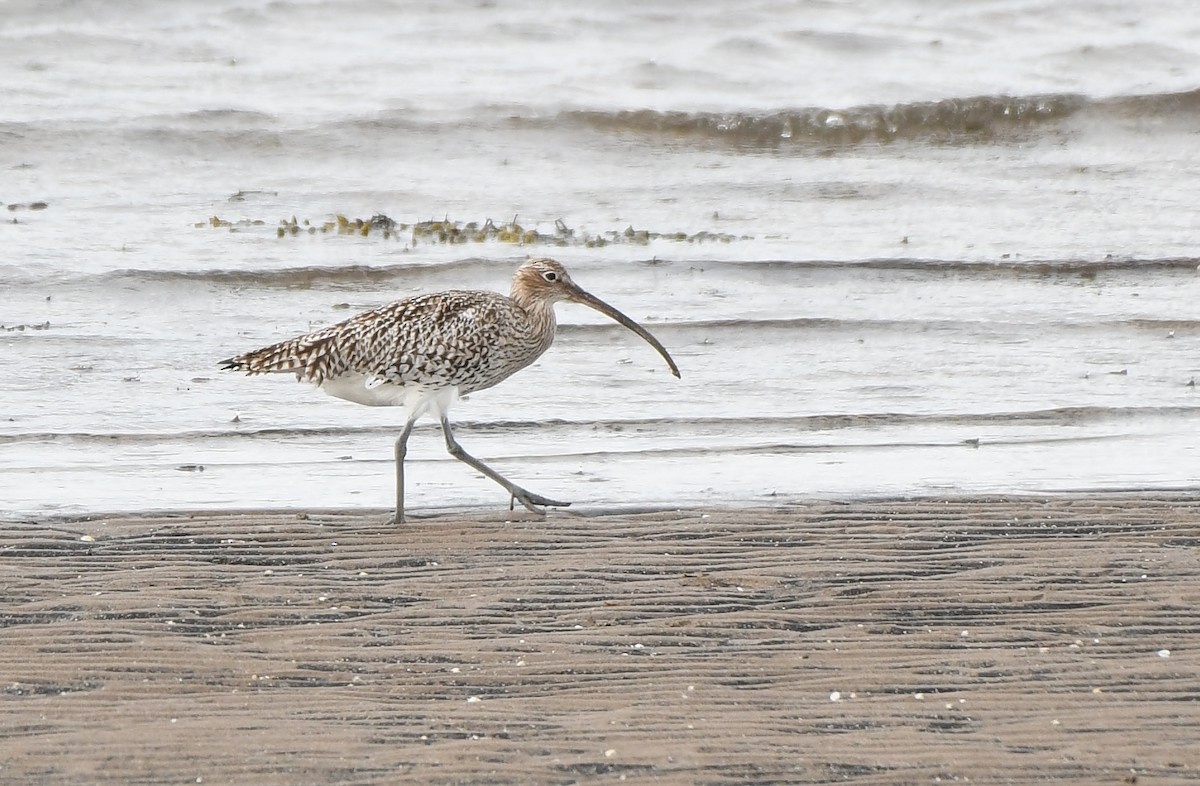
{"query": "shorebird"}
pixel 424 352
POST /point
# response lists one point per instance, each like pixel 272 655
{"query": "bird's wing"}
pixel 446 338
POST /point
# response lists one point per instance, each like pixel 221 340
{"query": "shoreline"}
pixel 998 638
pixel 498 512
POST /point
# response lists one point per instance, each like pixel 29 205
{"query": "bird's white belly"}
pixel 369 390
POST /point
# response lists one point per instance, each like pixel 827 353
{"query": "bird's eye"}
pixel 550 275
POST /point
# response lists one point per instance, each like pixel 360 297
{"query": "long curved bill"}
pixel 578 295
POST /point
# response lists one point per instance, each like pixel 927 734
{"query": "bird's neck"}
pixel 528 300
pixel 540 311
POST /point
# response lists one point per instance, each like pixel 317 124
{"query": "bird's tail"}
pixel 283 357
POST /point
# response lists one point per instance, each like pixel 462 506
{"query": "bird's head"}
pixel 540 283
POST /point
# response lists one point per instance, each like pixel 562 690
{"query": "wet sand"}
pixel 989 640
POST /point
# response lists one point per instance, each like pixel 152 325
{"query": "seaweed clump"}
pixel 446 231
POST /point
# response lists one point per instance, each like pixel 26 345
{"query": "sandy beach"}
pixel 984 640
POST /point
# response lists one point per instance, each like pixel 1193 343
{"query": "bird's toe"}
pixel 531 501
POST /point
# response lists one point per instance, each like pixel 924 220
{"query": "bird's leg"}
pixel 401 451
pixel 526 498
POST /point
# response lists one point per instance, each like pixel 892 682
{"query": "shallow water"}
pixel 894 250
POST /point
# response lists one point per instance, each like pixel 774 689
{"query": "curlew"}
pixel 424 352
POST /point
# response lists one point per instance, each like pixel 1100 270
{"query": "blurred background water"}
pixel 896 248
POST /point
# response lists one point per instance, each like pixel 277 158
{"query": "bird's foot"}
pixel 531 501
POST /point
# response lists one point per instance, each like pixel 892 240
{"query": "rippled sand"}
pixel 992 639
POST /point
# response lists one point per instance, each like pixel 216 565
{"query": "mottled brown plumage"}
pixel 468 340
pixel 424 352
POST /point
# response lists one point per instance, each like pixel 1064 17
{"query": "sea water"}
pixel 896 248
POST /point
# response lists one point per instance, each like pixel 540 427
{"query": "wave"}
pixel 951 120
pixel 828 422
pixel 340 276
pixel 981 117
pixel 301 277
pixel 828 323
pixel 698 329
pixel 1081 267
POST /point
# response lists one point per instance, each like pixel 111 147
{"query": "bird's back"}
pixel 469 340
